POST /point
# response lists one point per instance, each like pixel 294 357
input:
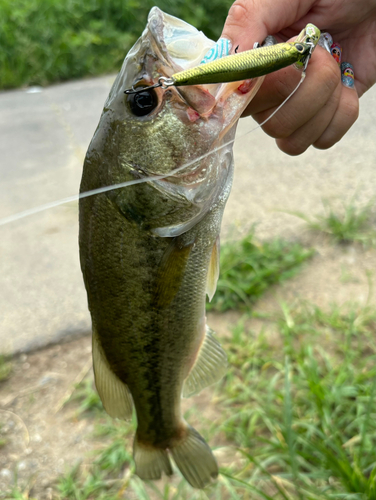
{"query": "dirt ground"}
pixel 41 437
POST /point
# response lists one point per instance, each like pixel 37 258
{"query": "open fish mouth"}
pixel 178 46
pixel 181 135
pixel 184 44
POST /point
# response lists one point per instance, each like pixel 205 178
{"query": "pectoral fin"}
pixel 171 271
pixel 115 395
pixel 210 366
pixel 213 271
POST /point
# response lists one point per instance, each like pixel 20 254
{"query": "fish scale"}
pixel 149 252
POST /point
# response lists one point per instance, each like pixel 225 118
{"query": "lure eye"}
pixel 299 47
pixel 142 103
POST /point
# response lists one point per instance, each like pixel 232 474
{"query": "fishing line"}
pixel 93 192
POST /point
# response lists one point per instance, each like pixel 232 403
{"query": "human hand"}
pixel 323 109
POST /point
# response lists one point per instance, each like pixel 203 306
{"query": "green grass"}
pixel 307 407
pixel 5 368
pixel 248 268
pixel 44 41
pixel 3 441
pixel 16 492
pixel 86 397
pixel 348 224
pixel 295 417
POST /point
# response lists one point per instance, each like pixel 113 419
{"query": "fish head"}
pixel 182 133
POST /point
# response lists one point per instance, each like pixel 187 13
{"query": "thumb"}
pixel 250 21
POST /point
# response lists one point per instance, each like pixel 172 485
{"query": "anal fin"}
pixel 115 395
pixel 210 365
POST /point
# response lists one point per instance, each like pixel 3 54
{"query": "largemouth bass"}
pixel 149 252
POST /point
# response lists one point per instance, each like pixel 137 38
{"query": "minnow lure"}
pixel 241 66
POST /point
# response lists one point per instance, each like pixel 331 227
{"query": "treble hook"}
pixel 309 55
pixel 163 82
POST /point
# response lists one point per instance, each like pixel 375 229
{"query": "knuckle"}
pixel 325 142
pixel 351 111
pixel 331 77
pixel 292 147
pixel 274 129
pixel 347 115
pixel 238 13
pixel 284 84
pixel 281 126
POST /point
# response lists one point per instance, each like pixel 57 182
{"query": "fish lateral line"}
pixel 239 66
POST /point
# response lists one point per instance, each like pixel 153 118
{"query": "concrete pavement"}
pixel 43 139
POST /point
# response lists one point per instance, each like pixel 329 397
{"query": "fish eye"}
pixel 142 103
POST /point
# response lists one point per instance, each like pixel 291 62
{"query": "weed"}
pixel 87 397
pixel 73 486
pixel 351 224
pixel 16 492
pixel 43 41
pixel 249 268
pixel 298 407
pixel 307 420
pixel 5 368
pixel 116 455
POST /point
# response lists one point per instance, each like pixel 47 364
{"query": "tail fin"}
pixel 150 461
pixel 194 459
pixel 191 454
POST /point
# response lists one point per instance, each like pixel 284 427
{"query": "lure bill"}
pixel 242 66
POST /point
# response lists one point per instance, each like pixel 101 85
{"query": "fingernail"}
pixel 326 41
pixel 336 51
pixel 347 75
pixel 269 40
pixel 220 49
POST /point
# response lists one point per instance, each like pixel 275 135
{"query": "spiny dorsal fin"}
pixel 213 271
pixel 210 366
pixel 115 395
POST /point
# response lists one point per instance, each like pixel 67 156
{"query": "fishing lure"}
pixel 260 57
pixel 241 66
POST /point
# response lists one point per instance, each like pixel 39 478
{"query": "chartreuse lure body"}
pixel 242 66
pixel 248 64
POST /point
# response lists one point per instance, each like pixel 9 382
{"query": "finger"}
pixel 312 130
pixel 274 90
pixel 345 116
pixel 323 77
pixel 250 21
